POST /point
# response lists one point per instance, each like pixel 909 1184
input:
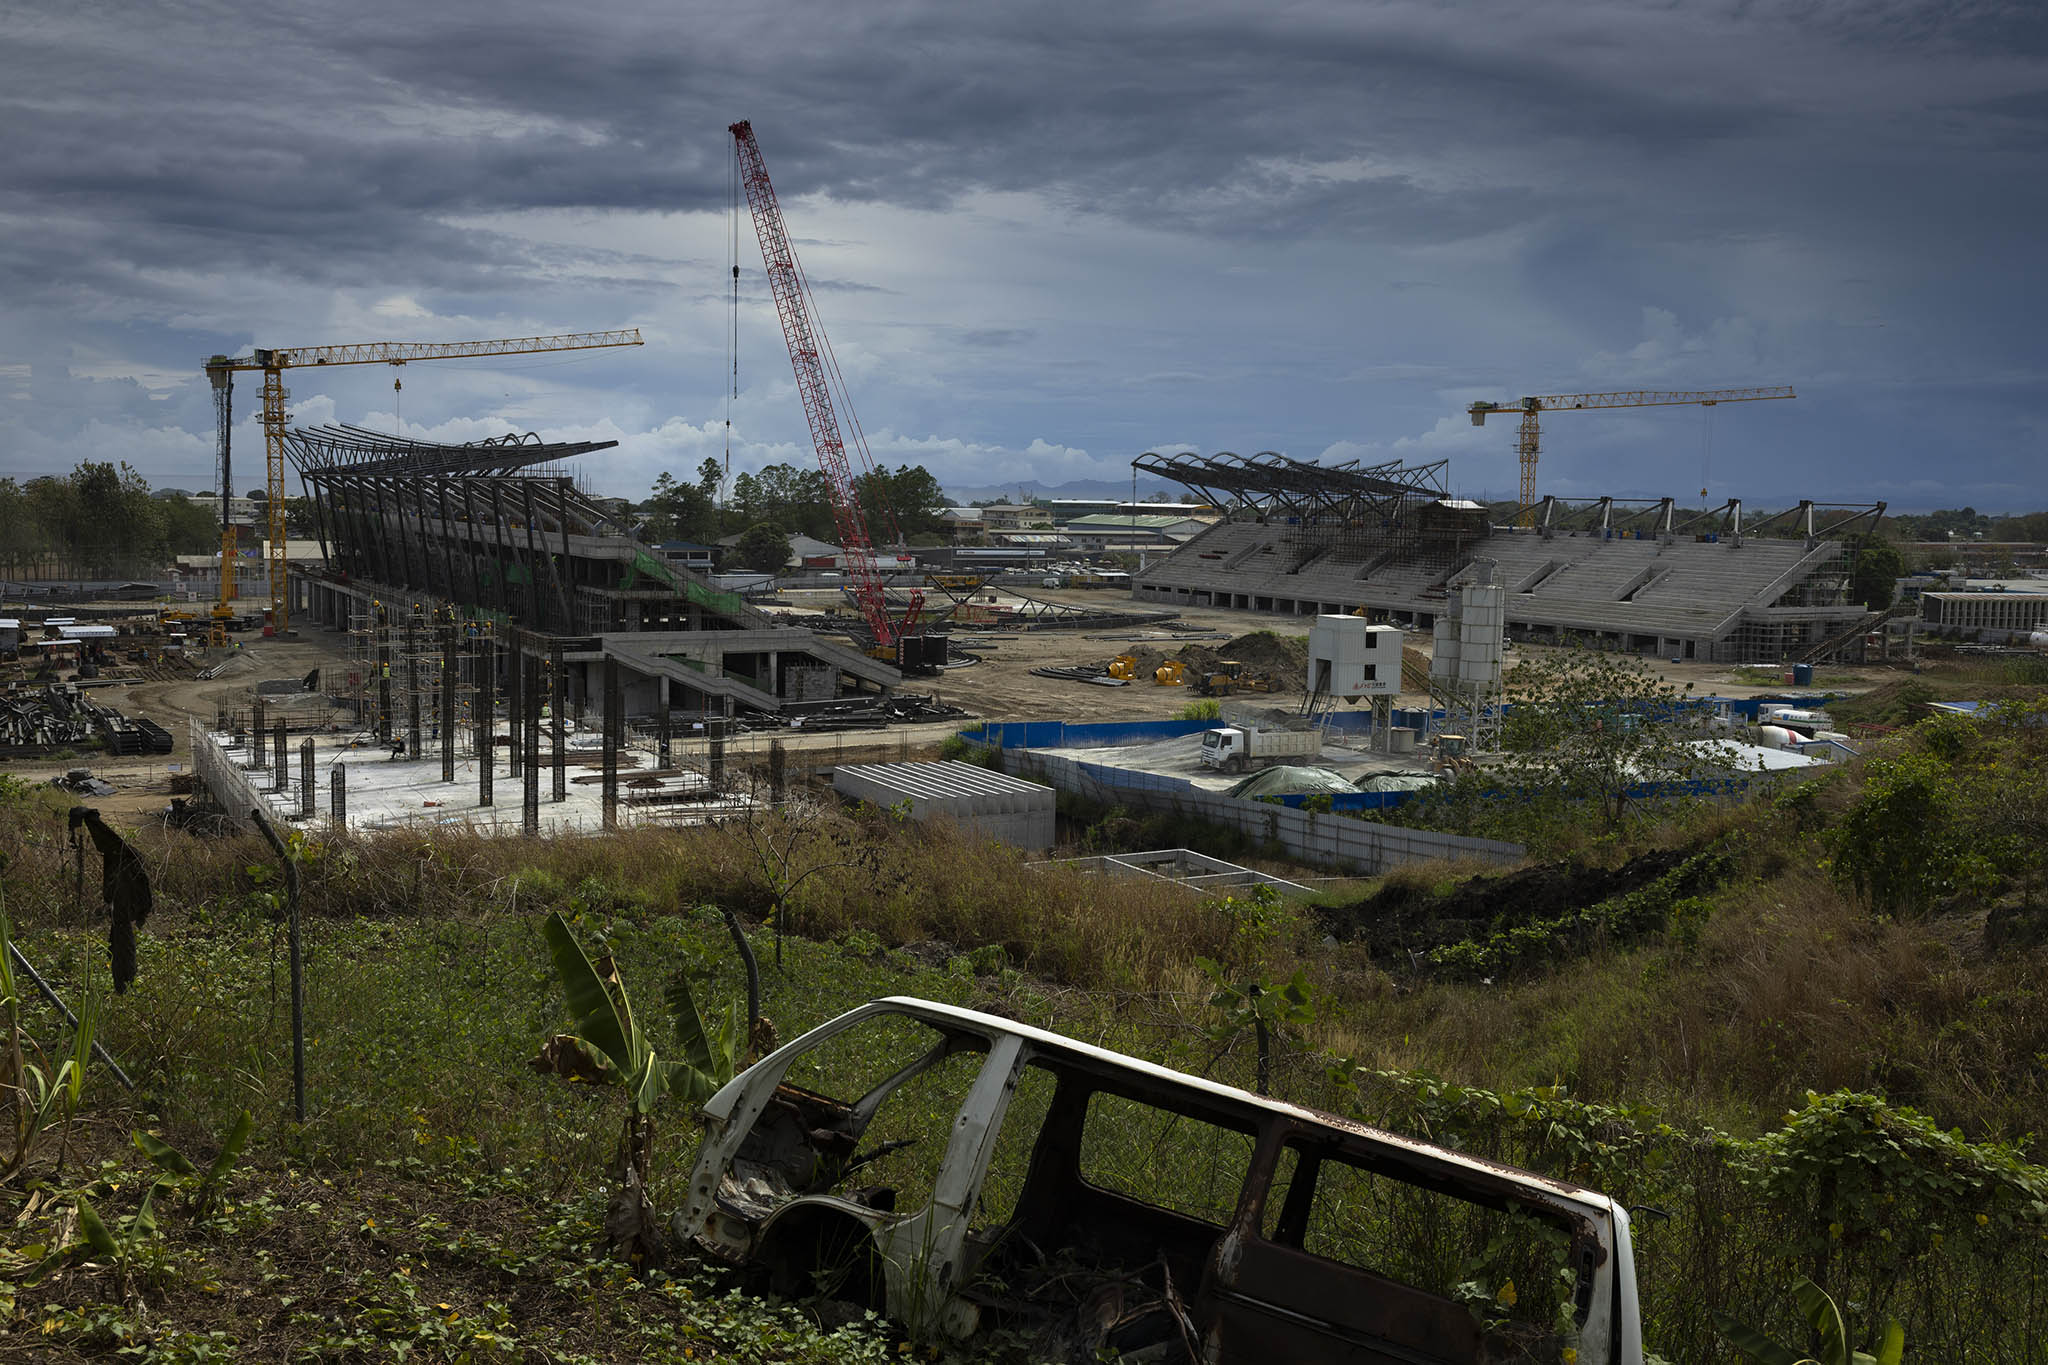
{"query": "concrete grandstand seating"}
pixel 1642 593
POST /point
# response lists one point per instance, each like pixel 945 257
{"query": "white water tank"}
pixel 2039 639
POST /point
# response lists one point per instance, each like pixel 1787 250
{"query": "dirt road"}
pixel 143 783
pixel 1002 687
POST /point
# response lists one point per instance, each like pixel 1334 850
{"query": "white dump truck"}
pixel 1236 748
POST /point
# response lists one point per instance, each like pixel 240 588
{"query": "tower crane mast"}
pixel 221 370
pixel 805 339
pixel 1529 409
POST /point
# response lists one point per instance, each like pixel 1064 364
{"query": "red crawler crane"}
pixel 896 640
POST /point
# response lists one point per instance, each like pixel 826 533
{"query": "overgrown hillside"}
pixel 1649 1020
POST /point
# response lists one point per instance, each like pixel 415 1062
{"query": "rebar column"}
pixel 515 700
pixel 284 767
pixel 486 703
pixel 337 795
pixel 714 730
pixel 529 769
pixel 306 792
pixel 412 687
pixel 559 704
pixel 448 676
pixel 614 731
pixel 778 770
pixel 257 757
pixel 383 674
pixel 664 728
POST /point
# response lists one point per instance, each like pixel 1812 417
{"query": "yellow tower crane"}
pixel 1530 408
pixel 221 369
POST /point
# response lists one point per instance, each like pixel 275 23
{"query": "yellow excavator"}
pixel 1230 678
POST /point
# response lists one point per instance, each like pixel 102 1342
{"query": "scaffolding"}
pixel 412 678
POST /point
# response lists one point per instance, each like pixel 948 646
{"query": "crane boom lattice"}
pixel 785 281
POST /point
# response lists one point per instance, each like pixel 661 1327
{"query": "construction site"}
pixel 472 634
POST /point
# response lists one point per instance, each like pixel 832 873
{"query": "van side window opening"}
pixel 1184 1165
pixel 1438 1242
pixel 905 1082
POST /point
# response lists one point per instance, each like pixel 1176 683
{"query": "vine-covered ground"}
pixel 1800 1036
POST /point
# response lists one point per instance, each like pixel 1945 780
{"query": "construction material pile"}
pixel 1259 662
pixel 58 716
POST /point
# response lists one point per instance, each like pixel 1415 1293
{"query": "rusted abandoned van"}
pixel 963 1172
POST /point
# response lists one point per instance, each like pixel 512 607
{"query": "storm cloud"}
pixel 1049 237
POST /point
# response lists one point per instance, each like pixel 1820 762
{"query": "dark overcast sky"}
pixel 1049 237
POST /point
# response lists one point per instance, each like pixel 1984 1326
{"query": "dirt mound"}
pixel 1283 660
pixel 1404 917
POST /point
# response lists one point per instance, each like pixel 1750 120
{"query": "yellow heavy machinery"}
pixel 1172 673
pixel 221 370
pixel 1230 678
pixel 1529 410
pixel 1123 666
pixel 1449 757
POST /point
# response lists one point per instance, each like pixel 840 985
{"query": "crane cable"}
pixel 1707 454
pixel 732 319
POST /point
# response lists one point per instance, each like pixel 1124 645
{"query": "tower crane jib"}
pixel 1530 409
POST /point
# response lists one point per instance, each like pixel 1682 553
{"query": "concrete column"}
pixel 614 733
pixel 529 734
pixel 486 702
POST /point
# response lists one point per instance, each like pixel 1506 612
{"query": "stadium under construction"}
pixel 438 554
pixel 1631 574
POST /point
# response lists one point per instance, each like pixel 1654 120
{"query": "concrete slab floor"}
pixel 383 793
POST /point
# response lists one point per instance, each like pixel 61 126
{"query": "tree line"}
pixel 98 522
pixel 900 506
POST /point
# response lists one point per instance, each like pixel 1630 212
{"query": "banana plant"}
pixel 1835 1343
pixel 92 1241
pixel 608 1047
pixel 179 1169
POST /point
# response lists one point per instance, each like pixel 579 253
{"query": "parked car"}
pixel 963 1172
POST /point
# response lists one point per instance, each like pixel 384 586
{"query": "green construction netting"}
pixel 713 600
pixel 644 563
